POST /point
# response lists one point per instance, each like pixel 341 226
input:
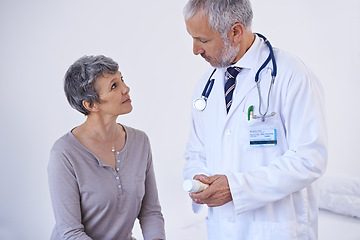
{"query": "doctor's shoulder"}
pixel 294 74
pixel 288 62
pixel 291 67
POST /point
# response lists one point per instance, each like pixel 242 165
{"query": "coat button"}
pixel 227 132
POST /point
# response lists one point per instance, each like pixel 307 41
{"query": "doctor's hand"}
pixel 217 194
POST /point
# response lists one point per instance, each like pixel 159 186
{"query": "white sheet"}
pixel 340 194
pixel 333 226
pixel 339 203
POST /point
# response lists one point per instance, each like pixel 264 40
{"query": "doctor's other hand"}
pixel 217 194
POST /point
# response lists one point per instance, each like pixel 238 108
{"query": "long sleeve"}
pixel 65 198
pixel 195 154
pixel 303 118
pixel 93 200
pixel 150 216
pixel 271 165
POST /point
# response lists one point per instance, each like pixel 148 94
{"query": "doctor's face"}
pixel 209 43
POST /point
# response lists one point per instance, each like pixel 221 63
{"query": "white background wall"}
pixel 40 39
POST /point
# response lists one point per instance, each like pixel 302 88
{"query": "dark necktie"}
pixel 230 75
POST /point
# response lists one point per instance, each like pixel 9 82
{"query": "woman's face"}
pixel 114 98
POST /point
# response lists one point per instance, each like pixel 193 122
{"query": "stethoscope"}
pixel 201 102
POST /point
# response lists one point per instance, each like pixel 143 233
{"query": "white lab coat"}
pixel 273 187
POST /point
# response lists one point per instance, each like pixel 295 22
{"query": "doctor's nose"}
pixel 197 49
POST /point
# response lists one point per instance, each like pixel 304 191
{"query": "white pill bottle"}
pixel 194 186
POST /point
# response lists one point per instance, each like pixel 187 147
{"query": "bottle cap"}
pixel 188 185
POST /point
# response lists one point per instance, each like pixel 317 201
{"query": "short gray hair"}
pixel 222 13
pixel 79 81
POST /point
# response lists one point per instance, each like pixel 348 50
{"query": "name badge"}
pixel 263 137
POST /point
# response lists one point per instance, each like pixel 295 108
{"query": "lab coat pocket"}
pixel 140 186
pixel 211 232
pixel 222 228
pixel 273 230
pixel 263 140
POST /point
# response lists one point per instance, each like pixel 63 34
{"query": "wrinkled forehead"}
pixel 198 24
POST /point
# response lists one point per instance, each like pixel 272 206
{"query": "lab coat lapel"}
pixel 252 60
pixel 220 78
pixel 243 87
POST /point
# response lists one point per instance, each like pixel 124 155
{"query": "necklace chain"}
pixel 113 147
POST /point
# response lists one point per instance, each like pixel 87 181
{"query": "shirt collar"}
pixel 250 57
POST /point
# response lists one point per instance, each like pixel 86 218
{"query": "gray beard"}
pixel 228 55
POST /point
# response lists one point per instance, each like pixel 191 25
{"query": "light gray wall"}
pixel 39 39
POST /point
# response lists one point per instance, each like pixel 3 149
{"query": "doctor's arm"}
pixel 217 194
pixel 195 165
pixel 195 149
pixel 194 154
pixel 304 161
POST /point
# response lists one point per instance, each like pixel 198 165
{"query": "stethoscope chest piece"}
pixel 200 104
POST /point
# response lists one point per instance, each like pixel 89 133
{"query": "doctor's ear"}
pixel 236 32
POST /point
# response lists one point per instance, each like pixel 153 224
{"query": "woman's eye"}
pixel 122 78
pixel 113 86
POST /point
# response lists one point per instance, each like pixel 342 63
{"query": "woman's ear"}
pixel 91 107
pixel 237 33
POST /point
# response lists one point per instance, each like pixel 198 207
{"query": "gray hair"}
pixel 79 81
pixel 222 13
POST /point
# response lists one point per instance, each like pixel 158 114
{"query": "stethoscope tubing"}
pixel 273 75
pixel 209 84
pixel 270 57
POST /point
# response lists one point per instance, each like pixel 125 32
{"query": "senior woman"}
pixel 101 174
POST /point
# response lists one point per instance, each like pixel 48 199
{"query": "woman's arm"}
pixel 65 197
pixel 150 216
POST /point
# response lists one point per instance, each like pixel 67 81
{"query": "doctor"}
pixel 261 145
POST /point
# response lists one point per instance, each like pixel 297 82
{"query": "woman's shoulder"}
pixel 62 142
pixel 66 144
pixel 134 134
pixel 59 153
